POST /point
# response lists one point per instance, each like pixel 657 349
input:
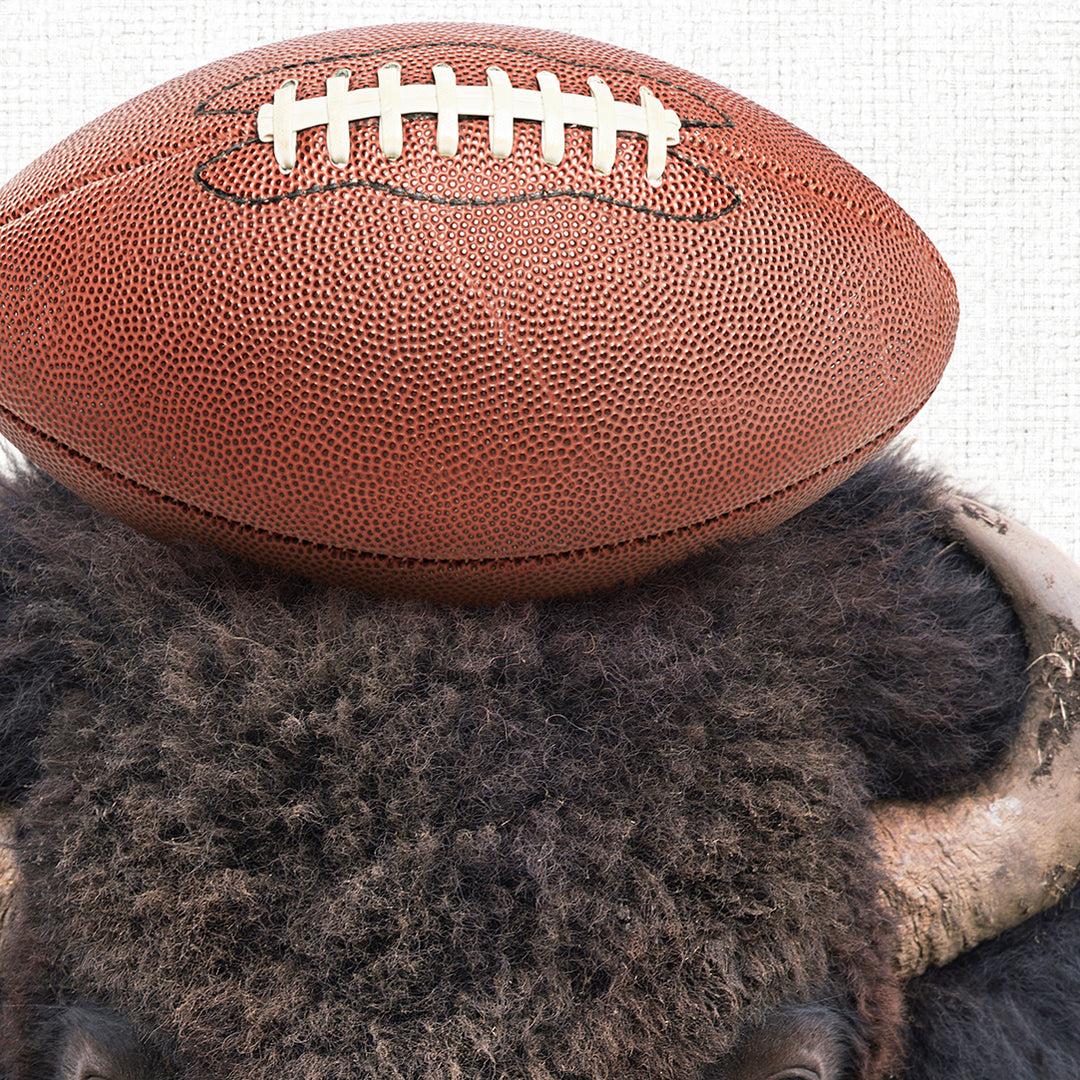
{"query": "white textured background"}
pixel 967 113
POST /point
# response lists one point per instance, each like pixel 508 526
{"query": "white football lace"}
pixel 501 103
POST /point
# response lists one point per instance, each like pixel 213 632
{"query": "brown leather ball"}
pixel 465 312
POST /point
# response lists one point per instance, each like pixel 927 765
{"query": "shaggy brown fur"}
pixel 293 832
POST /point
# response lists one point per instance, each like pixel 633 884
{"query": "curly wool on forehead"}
pixel 299 833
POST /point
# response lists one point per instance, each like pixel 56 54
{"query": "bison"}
pixel 804 809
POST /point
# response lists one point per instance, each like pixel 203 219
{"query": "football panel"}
pixel 357 372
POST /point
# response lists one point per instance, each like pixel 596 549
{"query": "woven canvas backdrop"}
pixel 966 113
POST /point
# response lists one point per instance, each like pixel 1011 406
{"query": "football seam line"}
pixel 347 554
pixel 805 181
pixel 828 194
pixel 443 200
pixel 105 174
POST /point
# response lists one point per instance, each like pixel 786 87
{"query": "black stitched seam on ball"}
pixel 807 183
pixel 203 108
pixel 107 172
pixel 407 562
pixel 443 200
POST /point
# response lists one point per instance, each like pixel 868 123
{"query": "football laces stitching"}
pixel 500 102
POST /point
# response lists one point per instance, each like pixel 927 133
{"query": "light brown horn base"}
pixel 9 871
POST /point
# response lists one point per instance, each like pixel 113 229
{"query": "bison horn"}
pixel 962 870
pixel 8 871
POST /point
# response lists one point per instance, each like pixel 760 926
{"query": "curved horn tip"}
pixel 965 869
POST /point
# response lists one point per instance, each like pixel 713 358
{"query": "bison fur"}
pixel 282 830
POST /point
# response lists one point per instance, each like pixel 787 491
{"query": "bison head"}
pixel 711 826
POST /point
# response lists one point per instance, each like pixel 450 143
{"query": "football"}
pixel 469 313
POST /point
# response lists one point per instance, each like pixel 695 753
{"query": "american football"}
pixel 471 313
